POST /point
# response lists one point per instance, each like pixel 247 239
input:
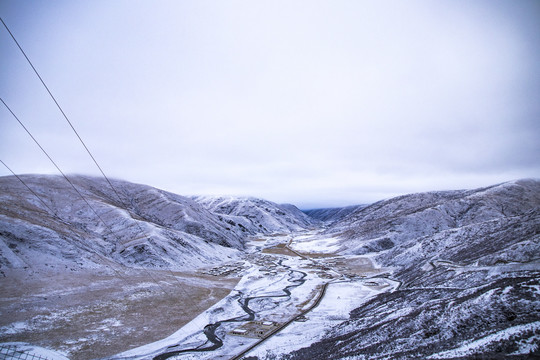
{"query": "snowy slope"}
pixel 135 225
pixel 469 267
pixel 477 317
pixel 143 227
pixel 257 215
pixel 396 221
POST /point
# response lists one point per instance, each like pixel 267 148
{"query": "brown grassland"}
pixel 89 314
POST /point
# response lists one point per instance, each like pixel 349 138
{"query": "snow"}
pixel 271 305
pixel 14 328
pixel 406 233
pixel 528 346
pixel 339 300
pixel 257 215
pixel 253 283
pixel 156 229
pixel 469 348
pixel 316 245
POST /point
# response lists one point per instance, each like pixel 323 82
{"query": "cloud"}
pixel 317 102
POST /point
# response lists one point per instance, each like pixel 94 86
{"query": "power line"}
pixel 65 117
pixel 72 185
pixel 32 191
pixel 59 107
pixel 52 161
pixel 81 141
pixel 57 216
pixel 69 122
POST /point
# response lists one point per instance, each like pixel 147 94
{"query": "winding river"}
pixel 213 341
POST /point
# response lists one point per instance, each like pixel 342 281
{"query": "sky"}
pixel 314 103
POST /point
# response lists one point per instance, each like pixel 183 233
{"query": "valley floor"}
pixel 285 300
pixel 93 314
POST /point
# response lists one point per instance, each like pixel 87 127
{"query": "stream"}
pixel 213 341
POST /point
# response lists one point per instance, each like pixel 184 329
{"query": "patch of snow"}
pixel 339 300
pixel 325 245
pixel 528 346
pixel 14 328
pixel 471 347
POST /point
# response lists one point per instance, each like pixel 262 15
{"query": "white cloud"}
pixel 322 103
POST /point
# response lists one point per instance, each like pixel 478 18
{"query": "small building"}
pixel 255 329
pixel 239 332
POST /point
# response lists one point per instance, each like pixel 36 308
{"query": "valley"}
pixel 444 274
pixel 277 299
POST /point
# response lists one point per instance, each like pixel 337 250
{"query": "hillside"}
pixel 435 275
pixel 92 288
pixel 258 215
pixel 469 267
pixel 137 226
pixel 390 223
pixel 146 227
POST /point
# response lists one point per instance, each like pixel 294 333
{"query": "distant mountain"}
pixel 389 223
pixel 469 267
pixel 257 215
pixel 330 215
pixel 142 226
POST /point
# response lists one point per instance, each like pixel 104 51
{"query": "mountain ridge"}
pixel 468 267
pixel 275 217
pixel 144 227
pixel 465 262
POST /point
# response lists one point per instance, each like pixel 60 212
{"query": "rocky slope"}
pixel 257 215
pixel 135 225
pixel 469 267
pixel 398 221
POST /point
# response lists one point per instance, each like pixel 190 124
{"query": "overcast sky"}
pixel 316 103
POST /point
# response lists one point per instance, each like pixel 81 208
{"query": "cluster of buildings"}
pixel 255 329
pixel 267 264
pixel 225 270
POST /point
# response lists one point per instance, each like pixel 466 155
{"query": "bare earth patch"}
pixel 280 249
pixel 91 314
pixel 317 255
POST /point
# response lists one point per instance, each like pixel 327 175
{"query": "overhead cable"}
pixel 54 214
pixel 72 185
pixel 32 191
pixel 78 136
pixel 59 107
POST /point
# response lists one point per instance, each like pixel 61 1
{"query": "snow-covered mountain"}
pixel 135 225
pixel 403 220
pixel 467 262
pixel 257 215
pixel 469 267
